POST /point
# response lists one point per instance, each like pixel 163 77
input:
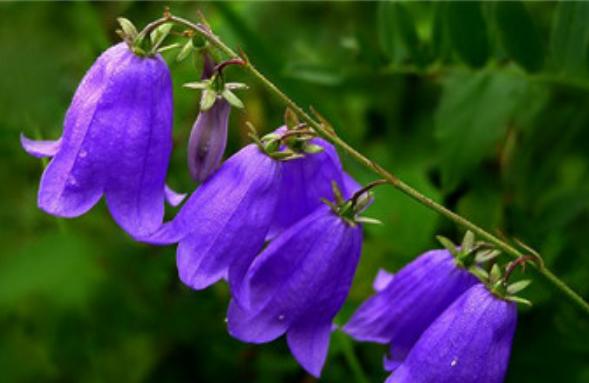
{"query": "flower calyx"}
pixel 215 87
pixel 350 210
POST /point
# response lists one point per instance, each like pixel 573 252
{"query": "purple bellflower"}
pixel 297 285
pixel 224 223
pixel 410 301
pixel 469 342
pixel 116 142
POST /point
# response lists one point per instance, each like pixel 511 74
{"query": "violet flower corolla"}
pixel 412 299
pixel 225 223
pixel 208 137
pixel 297 285
pixel 116 142
pixel 469 342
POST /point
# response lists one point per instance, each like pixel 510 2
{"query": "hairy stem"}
pixel 326 132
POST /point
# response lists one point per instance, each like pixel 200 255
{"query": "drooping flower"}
pixel 412 299
pixel 469 342
pixel 116 142
pixel 224 223
pixel 297 286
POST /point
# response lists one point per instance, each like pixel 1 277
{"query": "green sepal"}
pixel 185 51
pixel 467 242
pixel 486 255
pixel 495 274
pixel 207 100
pixel 518 286
pixel 232 98
pixel 198 85
pixel 448 245
pixel 368 220
pixel 236 86
pixel 128 28
pixel 159 34
pixel 519 300
pixel 480 273
pixel 312 149
pixel 168 47
pixel 291 120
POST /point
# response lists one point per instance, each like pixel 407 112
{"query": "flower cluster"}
pixel 280 221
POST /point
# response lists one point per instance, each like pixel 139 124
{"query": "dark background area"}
pixel 481 106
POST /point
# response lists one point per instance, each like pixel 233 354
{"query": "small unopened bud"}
pixel 208 140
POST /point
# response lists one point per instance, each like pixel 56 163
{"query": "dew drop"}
pixel 281 317
pixel 83 153
pixel 225 320
pixel 454 362
pixel 72 181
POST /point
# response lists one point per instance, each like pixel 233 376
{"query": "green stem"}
pixel 351 359
pixel 326 132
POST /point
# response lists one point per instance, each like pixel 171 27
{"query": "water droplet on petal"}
pixel 72 181
pixel 454 362
pixel 83 153
pixel 281 317
pixel 226 320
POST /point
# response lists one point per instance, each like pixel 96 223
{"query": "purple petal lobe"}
pixel 40 149
pixel 142 140
pixel 469 342
pixel 173 197
pixel 417 294
pixel 299 283
pixel 225 221
pixel 309 343
pixel 208 140
pixel 382 280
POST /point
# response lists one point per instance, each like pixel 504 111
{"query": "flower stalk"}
pixel 320 126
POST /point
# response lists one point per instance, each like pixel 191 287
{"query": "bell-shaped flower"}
pixel 413 298
pixel 116 142
pixel 297 285
pixel 224 223
pixel 469 342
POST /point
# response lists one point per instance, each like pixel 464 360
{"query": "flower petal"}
pixel 382 280
pixel 141 144
pixel 309 342
pixel 226 220
pixel 40 149
pixel 74 179
pixel 173 197
pixel 469 342
pixel 418 293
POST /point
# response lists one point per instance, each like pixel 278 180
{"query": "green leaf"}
pixel 467 31
pixel 570 38
pixel 473 115
pixel 519 35
pixel 396 32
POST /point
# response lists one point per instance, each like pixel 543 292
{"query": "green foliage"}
pixel 482 106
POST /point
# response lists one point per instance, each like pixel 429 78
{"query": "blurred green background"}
pixel 482 106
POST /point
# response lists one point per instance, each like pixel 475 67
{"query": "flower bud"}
pixel 208 140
